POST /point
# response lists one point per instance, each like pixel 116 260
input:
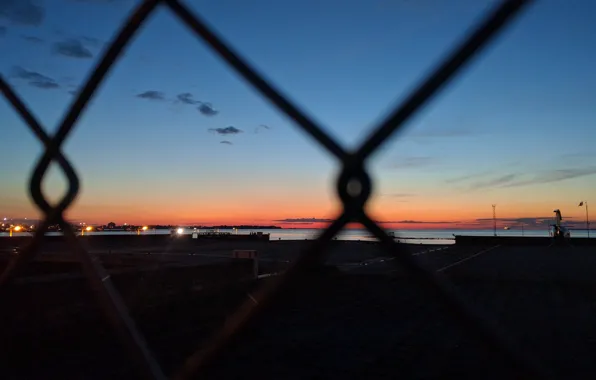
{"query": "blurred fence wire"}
pixel 353 187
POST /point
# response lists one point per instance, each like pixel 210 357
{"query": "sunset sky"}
pixel 174 136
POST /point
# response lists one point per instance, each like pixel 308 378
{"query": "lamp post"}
pixel 585 203
pixel 494 220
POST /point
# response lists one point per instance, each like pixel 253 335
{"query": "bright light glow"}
pixel 17 228
pixel 180 231
pixel 145 228
pixel 89 228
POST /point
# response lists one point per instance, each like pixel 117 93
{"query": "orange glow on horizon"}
pixel 442 213
pixel 423 219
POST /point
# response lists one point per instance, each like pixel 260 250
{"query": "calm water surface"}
pixel 410 236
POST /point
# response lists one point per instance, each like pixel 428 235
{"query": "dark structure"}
pixel 154 243
pixel 462 240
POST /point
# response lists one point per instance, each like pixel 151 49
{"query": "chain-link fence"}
pixel 353 187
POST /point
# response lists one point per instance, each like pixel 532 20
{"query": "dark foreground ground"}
pixel 366 319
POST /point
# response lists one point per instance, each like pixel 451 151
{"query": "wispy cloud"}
pixel 261 127
pixel 92 41
pixel 544 177
pixel 406 221
pixel 399 197
pixel 85 39
pixel 207 110
pixel 226 142
pixel 22 73
pixel 44 84
pixel 304 220
pixel 494 182
pixel 186 98
pixel 23 12
pixel 72 48
pixel 226 131
pixel 554 176
pixel 152 95
pixel 32 39
pixel 468 177
pixel 35 79
pixel 412 162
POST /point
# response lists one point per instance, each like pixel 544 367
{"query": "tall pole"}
pixel 582 203
pixel 495 220
pixel 587 220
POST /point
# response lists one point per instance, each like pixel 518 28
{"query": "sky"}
pixel 173 135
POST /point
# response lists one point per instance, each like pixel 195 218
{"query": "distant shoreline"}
pixel 224 227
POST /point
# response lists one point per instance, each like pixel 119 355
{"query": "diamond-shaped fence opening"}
pixel 353 186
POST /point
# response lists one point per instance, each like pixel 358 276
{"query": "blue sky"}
pixel 516 128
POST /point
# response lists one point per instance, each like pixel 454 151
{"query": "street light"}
pixel 582 203
pixel 495 220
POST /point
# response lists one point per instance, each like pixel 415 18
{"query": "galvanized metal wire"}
pixel 353 170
